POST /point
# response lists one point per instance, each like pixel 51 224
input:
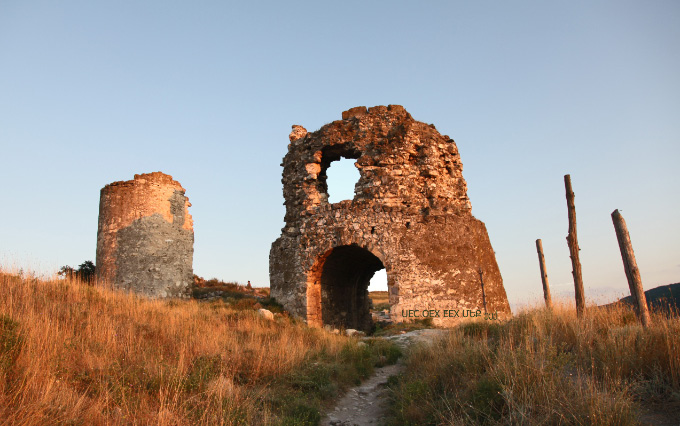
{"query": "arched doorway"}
pixel 337 288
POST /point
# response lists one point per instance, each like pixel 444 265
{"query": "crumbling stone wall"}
pixel 145 238
pixel 410 215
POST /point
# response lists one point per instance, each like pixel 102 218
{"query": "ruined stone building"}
pixel 410 215
pixel 145 237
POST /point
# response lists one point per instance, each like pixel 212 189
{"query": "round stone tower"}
pixel 410 215
pixel 145 237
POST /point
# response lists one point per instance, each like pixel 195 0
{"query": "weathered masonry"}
pixel 145 238
pixel 410 215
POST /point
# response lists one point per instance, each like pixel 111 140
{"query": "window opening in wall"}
pixel 342 176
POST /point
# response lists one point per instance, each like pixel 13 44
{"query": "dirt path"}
pixel 367 403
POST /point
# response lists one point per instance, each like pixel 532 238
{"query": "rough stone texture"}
pixel 410 214
pixel 145 239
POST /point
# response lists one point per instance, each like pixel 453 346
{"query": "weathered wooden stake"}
pixel 544 274
pixel 481 280
pixel 630 266
pixel 572 240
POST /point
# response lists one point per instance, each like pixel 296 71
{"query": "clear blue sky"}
pixel 94 92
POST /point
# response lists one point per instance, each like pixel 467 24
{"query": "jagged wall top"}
pixel 402 163
pixel 143 197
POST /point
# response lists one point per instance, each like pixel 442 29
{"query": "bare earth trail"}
pixel 367 403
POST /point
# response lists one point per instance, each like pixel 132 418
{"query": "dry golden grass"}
pixel 80 355
pixel 379 298
pixel 544 367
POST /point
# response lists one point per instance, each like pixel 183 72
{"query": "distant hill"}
pixel 665 297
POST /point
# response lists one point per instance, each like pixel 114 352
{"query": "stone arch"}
pixel 337 287
pixel 410 208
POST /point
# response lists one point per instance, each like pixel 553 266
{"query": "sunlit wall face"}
pixel 342 175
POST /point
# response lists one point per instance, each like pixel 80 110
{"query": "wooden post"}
pixel 544 274
pixel 481 280
pixel 572 240
pixel 630 266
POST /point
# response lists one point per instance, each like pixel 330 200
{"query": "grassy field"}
pixel 545 368
pixel 73 354
pixel 380 300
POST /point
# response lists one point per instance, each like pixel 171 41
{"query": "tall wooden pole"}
pixel 481 280
pixel 630 266
pixel 544 274
pixel 572 240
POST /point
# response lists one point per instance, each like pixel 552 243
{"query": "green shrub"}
pixel 487 401
pixel 302 414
